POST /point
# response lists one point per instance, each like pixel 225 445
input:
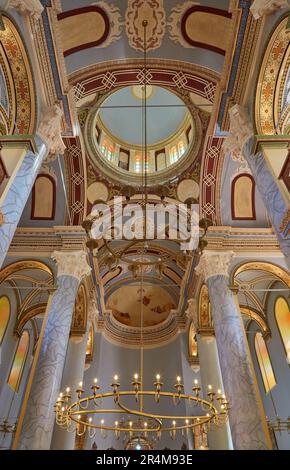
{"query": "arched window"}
pixel 43 198
pixel 173 154
pixel 181 149
pixel 19 361
pixel 264 363
pixel 243 197
pixel 137 163
pixel 282 315
pixel 108 149
pixel 4 316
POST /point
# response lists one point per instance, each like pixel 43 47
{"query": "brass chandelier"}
pixel 80 415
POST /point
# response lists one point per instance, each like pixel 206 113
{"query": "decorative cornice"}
pixel 19 141
pixel 243 240
pixel 32 8
pixel 161 334
pixel 261 8
pixel 45 241
pixel 214 264
pixel 50 129
pixel 72 264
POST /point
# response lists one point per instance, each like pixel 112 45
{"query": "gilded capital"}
pixel 241 130
pixel 214 263
pixel 50 129
pixel 72 264
pixel 261 8
pixel 29 7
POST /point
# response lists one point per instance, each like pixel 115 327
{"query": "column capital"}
pixel 30 7
pixel 71 264
pixel 213 263
pixel 50 129
pixel 261 8
pixel 241 130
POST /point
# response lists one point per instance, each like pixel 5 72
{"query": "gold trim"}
pixel 269 75
pixel 255 315
pixel 277 271
pixel 28 315
pixel 22 265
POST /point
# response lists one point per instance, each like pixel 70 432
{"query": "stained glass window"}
pixel 4 316
pixel 137 163
pixel 108 149
pixel 19 361
pixel 264 363
pixel 173 154
pixel 282 314
pixel 181 148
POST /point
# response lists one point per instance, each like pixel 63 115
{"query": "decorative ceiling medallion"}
pixel 271 81
pixel 191 25
pixel 103 27
pixel 152 11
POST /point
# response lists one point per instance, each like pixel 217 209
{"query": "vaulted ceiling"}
pixel 198 55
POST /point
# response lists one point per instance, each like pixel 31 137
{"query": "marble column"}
pixel 246 416
pixel 219 437
pixel 274 202
pixel 48 140
pixel 14 201
pixel 240 142
pixel 72 375
pixel 39 417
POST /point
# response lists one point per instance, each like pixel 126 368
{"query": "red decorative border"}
pixel 102 81
pixel 252 197
pixel 214 11
pixel 209 177
pixel 176 79
pixel 81 11
pixel 33 198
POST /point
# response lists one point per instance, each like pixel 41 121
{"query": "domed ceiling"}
pixel 115 134
pixel 129 302
pixel 123 114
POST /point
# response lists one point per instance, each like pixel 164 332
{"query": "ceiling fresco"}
pixel 175 29
pixel 129 303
